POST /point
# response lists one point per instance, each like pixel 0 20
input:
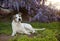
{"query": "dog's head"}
pixel 17 17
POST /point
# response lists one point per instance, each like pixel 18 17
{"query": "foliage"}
pixel 35 8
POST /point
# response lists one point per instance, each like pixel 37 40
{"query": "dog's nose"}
pixel 19 19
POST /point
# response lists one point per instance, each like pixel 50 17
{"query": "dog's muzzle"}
pixel 19 19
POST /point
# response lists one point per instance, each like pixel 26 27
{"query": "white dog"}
pixel 19 27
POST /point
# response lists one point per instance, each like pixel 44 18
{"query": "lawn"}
pixel 51 33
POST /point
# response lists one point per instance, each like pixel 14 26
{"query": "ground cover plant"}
pixel 51 33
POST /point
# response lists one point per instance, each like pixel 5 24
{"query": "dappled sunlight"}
pixel 54 3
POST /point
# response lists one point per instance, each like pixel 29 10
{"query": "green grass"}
pixel 5 28
pixel 52 32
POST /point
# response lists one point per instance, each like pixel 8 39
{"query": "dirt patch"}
pixel 4 37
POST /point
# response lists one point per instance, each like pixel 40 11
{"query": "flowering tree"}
pixel 35 8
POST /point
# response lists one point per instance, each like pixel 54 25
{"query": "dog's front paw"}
pixel 12 35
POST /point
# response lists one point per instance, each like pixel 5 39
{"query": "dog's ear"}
pixel 13 17
pixel 20 13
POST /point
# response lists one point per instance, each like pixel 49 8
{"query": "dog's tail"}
pixel 40 29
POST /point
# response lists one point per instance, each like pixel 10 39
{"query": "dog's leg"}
pixel 13 33
pixel 27 32
pixel 33 31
